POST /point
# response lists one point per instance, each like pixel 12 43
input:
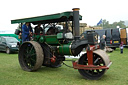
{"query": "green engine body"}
pixel 63 46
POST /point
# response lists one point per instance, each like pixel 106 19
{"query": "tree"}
pixel 105 24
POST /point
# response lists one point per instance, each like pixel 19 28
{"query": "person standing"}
pixel 103 43
pixel 26 32
pixel 121 48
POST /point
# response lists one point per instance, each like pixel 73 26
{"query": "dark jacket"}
pixel 38 30
pixel 102 43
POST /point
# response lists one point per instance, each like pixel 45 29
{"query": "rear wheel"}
pixel 8 51
pixel 92 74
pixel 30 56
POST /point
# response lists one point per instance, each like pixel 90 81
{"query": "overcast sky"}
pixel 91 10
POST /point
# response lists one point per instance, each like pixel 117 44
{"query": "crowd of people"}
pixel 25 31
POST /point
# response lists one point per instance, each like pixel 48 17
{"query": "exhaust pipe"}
pixel 76 21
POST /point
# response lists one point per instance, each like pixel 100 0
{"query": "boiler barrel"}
pixel 64 49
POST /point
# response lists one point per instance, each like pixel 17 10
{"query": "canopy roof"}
pixel 59 17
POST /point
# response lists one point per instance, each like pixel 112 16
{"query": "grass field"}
pixel 12 74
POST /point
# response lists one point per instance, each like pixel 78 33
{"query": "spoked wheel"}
pixel 30 56
pixel 92 74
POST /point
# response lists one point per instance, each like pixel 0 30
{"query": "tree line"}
pixel 105 24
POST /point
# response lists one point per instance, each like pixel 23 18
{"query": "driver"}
pixel 51 31
pixel 38 29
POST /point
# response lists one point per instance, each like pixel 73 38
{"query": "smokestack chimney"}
pixel 76 21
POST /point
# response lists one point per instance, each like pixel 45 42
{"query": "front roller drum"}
pixel 100 58
pixel 30 56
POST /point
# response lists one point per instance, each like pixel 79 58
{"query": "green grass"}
pixel 12 74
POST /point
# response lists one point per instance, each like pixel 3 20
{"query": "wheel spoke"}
pixel 32 63
pixel 85 62
pixel 96 60
pixel 32 48
pixel 29 56
pixel 27 50
pixel 34 54
pixel 98 71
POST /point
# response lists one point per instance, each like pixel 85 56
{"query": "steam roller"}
pixel 50 49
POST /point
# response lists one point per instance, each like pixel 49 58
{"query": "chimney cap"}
pixel 76 9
